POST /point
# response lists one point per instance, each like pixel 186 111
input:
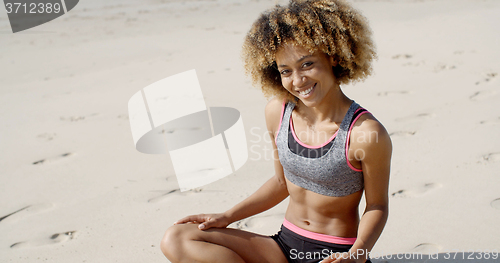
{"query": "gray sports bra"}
pixel 330 174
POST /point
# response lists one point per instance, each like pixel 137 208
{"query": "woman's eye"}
pixel 285 71
pixel 307 64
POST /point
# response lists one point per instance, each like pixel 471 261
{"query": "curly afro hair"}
pixel 329 26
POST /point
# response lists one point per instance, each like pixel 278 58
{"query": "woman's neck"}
pixel 331 109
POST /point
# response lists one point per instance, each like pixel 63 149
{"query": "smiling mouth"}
pixel 307 91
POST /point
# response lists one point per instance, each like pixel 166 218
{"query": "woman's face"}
pixel 307 76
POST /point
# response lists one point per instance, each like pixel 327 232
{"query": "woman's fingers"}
pixel 191 219
pixel 337 258
pixel 327 260
pixel 205 221
pixel 208 223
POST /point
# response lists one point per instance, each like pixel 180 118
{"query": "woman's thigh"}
pixel 251 247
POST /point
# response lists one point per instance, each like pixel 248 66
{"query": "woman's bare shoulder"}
pixel 273 114
pixel 368 129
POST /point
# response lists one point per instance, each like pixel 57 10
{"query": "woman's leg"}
pixel 186 243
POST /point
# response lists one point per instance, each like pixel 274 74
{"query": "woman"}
pixel 327 149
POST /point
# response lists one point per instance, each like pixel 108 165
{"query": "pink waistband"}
pixel 318 236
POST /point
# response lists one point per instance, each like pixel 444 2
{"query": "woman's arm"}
pixel 374 149
pixel 267 196
pixel 274 190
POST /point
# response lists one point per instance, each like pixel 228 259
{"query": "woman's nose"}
pixel 298 79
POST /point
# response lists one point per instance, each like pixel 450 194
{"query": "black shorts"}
pixel 300 249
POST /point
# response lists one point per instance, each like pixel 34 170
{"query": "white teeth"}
pixel 307 91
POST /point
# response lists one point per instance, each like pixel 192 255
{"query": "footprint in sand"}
pixel 402 56
pixel 54 239
pixel 77 118
pixel 123 116
pixel 402 133
pixel 406 57
pixel 491 122
pixel 481 95
pixel 495 203
pixel 53 159
pixel 491 75
pixel 393 92
pixel 414 64
pixel 46 136
pixel 417 117
pixel 492 157
pixel 165 195
pixel 427 248
pixel 417 191
pixel 72 118
pixel 487 77
pixel 257 222
pixel 440 67
pixel 25 212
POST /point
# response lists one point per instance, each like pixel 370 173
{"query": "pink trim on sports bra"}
pixel 281 119
pixel 318 236
pixel 306 145
pixel 347 141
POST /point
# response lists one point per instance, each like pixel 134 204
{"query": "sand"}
pixel 74 189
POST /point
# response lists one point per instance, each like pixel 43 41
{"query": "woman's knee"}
pixel 174 238
pixel 171 240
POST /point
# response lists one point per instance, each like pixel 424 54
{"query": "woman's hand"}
pixel 206 221
pixel 341 258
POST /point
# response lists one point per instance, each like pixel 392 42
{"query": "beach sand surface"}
pixel 73 188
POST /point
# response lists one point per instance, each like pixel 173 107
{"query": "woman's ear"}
pixel 333 61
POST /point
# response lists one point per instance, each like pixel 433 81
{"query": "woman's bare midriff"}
pixel 335 216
